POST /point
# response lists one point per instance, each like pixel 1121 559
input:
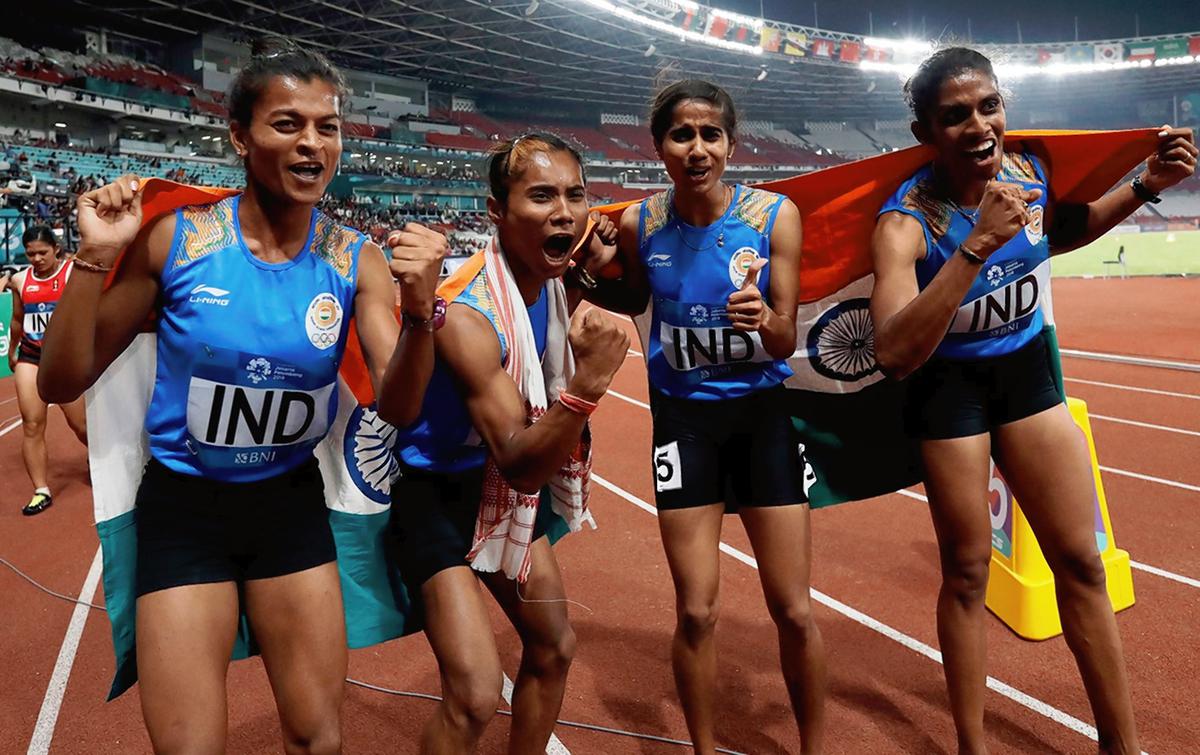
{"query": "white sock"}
pixel 43 491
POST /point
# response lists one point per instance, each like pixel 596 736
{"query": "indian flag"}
pixel 848 414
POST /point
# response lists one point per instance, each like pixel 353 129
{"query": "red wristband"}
pixel 576 405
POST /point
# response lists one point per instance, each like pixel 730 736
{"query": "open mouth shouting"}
pixel 309 171
pixel 558 246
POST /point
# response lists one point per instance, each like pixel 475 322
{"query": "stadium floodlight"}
pixel 666 28
pixel 910 46
pixel 761 74
pixel 60 124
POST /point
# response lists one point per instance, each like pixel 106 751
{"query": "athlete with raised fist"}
pixel 252 298
pixel 962 265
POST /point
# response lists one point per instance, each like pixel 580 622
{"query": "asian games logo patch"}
pixel 739 265
pixel 368 447
pixel 323 320
pixel 995 275
pixel 258 370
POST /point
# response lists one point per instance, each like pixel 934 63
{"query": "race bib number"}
pixel 668 473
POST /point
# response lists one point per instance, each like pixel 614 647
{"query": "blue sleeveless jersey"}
pixel 443 438
pixel 1001 312
pixel 248 352
pixel 692 351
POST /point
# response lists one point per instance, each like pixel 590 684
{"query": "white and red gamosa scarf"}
pixel 504 528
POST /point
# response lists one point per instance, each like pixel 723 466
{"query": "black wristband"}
pixel 972 257
pixel 1141 192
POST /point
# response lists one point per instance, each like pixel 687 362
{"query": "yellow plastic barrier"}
pixel 1021 587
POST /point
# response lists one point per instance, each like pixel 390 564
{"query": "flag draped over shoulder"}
pixel 847 413
pixel 356 461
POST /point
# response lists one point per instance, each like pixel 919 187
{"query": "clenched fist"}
pixel 600 346
pixel 109 219
pixel 417 254
pixel 1003 212
pixel 601 246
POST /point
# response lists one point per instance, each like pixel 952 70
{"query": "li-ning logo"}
pixel 258 370
pixel 659 259
pixel 203 294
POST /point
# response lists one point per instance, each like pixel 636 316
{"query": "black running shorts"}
pixel 742 451
pixel 192 530
pixel 958 398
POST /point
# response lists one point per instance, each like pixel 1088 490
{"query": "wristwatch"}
pixel 433 323
pixel 581 277
pixel 1142 193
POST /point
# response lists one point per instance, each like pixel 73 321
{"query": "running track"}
pixel 875 567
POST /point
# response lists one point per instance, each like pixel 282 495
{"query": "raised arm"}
pixel 630 293
pixel 528 456
pixel 91 325
pixel 910 323
pixel 776 325
pixel 1077 225
pixel 400 360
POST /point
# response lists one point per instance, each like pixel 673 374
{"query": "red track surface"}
pixel 877 557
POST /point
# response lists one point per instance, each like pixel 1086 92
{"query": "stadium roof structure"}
pixel 610 53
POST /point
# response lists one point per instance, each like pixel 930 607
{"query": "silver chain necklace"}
pixel 720 236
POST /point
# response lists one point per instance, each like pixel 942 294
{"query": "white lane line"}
pixel 1137 475
pixel 623 397
pixel 1124 359
pixel 1151 478
pixel 555 745
pixel 1118 386
pixel 912 643
pixel 1135 564
pixel 9 428
pixel 1147 425
pixel 8 401
pixel 43 731
pixel 1165 574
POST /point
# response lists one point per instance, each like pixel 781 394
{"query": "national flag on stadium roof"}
pixel 850 52
pixel 822 48
pixel 1171 48
pixel 717 26
pixel 771 39
pixel 1109 52
pixel 795 44
pixel 877 54
pixel 685 18
pixel 1194 46
pixel 1141 51
pixel 1079 54
pixel 1046 56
